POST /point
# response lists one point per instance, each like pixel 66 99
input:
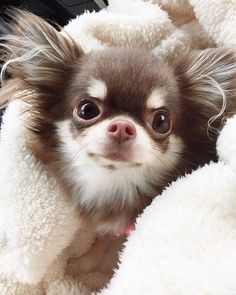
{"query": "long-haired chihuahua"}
pixel 115 125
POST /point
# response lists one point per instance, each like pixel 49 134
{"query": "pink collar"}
pixel 126 231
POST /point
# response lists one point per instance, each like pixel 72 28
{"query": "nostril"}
pixel 113 128
pixel 130 130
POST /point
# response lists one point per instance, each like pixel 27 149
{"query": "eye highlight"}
pixel 87 111
pixel 160 122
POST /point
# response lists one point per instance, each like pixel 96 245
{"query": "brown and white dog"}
pixel 115 125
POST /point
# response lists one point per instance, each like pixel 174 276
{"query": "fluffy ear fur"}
pixel 37 56
pixel 207 80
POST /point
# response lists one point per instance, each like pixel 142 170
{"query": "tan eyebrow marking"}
pixel 97 89
pixel 157 99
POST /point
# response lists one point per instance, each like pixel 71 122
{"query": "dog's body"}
pixel 116 125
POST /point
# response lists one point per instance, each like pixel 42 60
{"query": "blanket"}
pixel 185 240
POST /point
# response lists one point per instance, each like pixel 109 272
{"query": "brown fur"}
pixel 57 76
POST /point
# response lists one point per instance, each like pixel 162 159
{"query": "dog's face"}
pixel 119 141
pixel 116 125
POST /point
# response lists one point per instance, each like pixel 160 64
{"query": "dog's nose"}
pixel 121 130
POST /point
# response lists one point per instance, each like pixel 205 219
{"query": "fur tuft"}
pixel 208 79
pixel 36 54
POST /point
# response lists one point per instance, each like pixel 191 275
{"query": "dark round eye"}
pixel 88 110
pixel 161 122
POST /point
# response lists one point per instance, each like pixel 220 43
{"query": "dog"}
pixel 115 125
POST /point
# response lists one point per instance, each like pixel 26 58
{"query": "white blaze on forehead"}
pixel 157 98
pixel 97 89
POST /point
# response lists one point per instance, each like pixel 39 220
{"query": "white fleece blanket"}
pixel 185 240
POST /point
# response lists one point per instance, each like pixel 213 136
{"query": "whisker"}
pixel 183 159
pixel 77 153
pixel 167 172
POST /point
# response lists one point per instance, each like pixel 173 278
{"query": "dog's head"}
pixel 116 124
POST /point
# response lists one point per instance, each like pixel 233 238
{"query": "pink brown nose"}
pixel 121 130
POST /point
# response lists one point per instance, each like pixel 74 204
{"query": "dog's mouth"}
pixel 113 159
pixel 117 157
pixel 120 160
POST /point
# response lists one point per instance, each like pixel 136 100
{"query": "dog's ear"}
pixel 36 54
pixel 207 82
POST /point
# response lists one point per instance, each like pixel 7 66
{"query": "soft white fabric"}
pixel 37 221
pixel 184 242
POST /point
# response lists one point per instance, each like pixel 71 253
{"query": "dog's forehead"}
pixel 128 70
pixel 126 79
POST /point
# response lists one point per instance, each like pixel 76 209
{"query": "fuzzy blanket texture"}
pixel 185 240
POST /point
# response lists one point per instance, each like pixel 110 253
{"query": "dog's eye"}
pixel 87 110
pixel 161 122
